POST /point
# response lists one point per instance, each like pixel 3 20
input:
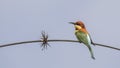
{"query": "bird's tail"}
pixel 91 52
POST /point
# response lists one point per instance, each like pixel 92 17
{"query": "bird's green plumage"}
pixel 82 37
pixel 85 39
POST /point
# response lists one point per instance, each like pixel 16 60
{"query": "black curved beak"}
pixel 72 23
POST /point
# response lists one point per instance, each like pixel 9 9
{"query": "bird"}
pixel 83 36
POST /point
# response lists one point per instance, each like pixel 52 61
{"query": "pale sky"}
pixel 23 20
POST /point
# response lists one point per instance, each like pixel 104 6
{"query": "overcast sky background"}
pixel 22 20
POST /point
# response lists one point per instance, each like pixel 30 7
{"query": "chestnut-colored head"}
pixel 80 23
pixel 79 26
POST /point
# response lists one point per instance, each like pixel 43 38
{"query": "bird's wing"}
pixel 91 39
pixel 83 37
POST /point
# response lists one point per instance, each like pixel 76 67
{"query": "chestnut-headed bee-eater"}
pixel 83 35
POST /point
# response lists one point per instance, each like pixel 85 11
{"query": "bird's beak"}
pixel 72 23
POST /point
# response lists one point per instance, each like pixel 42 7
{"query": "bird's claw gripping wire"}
pixel 44 38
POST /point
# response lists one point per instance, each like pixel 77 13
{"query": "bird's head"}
pixel 78 25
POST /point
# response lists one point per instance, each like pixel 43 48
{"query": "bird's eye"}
pixel 77 24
